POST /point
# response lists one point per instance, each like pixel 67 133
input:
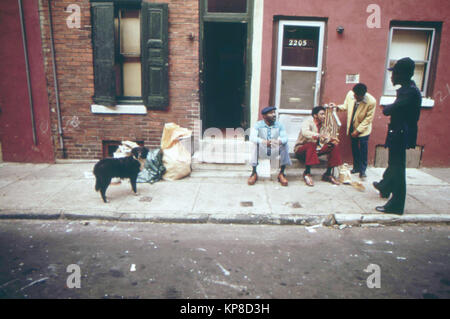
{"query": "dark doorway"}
pixel 224 74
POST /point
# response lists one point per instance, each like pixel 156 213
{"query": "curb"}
pixel 239 218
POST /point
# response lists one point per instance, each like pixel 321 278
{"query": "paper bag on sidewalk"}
pixel 345 177
pixel 176 159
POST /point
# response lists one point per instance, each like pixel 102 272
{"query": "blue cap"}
pixel 268 109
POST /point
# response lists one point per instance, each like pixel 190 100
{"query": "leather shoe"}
pixel 354 171
pixel 330 178
pixel 377 187
pixel 388 210
pixel 252 179
pixel 282 179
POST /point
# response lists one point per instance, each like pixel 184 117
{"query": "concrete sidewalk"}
pixel 52 191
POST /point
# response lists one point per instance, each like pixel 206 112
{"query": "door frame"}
pixel 279 67
pixel 246 18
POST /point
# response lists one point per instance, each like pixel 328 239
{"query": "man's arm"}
pixel 307 132
pixel 283 134
pixel 401 102
pixel 347 101
pixel 254 135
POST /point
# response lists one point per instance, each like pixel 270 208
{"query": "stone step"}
pixel 230 155
pixel 202 166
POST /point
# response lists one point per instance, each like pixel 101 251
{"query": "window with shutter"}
pixel 104 59
pixel 130 43
pixel 155 57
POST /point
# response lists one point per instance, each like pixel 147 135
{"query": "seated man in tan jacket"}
pixel 311 144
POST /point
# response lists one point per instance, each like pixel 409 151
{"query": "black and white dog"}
pixel 126 167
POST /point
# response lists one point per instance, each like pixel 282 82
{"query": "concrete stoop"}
pixel 229 158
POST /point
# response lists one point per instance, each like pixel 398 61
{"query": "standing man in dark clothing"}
pixel 401 135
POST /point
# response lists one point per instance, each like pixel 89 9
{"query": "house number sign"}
pixel 300 43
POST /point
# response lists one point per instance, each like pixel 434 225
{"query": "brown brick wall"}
pixel 84 131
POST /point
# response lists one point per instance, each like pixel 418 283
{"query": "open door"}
pixel 224 74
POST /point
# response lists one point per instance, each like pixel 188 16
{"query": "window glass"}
pixel 230 6
pixel 300 46
pixel 416 44
pixel 128 45
pixel 132 78
pixel 297 90
pixel 130 31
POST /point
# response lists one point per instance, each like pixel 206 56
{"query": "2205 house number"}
pixel 300 43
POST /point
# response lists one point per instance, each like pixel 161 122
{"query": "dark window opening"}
pixel 230 6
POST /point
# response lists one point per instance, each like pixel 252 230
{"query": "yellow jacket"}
pixel 364 114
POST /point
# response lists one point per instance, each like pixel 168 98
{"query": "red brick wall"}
pixel 84 131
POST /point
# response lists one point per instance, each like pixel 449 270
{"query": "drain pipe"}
pixel 27 68
pixel 58 107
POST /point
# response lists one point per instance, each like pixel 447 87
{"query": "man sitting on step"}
pixel 269 140
pixel 311 144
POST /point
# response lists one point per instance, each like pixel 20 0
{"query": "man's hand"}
pixel 355 134
pixel 275 143
pixel 334 140
pixel 332 105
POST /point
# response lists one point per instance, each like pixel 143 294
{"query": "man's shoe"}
pixel 330 178
pixel 362 175
pixel 308 179
pixel 377 187
pixel 252 179
pixel 389 210
pixel 354 171
pixel 282 179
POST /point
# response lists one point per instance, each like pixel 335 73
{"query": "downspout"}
pixel 27 69
pixel 58 107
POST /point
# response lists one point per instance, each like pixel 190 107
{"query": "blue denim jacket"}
pixel 261 131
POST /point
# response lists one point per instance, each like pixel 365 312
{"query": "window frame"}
pixel 120 59
pixel 155 91
pixel 429 62
pixel 318 69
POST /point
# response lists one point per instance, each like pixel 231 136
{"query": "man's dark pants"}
pixel 359 151
pixel 394 178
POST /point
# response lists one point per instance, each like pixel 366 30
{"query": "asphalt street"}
pixel 126 260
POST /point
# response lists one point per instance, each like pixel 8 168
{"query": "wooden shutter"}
pixel 103 45
pixel 155 55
